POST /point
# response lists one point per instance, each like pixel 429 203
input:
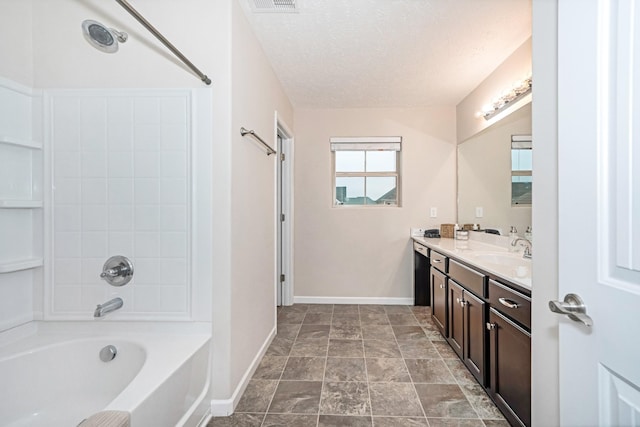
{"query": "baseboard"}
pixel 353 300
pixel 225 407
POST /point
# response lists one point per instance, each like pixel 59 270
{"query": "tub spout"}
pixel 108 307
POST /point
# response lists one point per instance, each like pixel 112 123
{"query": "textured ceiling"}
pixel 389 53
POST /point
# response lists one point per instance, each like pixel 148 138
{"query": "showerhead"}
pixel 101 37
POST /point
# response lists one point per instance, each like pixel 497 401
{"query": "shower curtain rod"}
pixel 164 41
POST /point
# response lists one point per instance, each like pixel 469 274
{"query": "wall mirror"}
pixel 494 179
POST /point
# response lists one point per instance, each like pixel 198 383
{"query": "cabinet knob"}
pixel 441 285
pixel 491 326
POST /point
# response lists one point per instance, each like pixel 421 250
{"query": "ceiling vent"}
pixel 278 6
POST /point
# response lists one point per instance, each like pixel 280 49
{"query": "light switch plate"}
pixel 433 213
pixel 479 212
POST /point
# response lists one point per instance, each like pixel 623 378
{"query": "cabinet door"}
pixel 510 366
pixel 456 318
pixel 421 279
pixel 439 300
pixel 474 348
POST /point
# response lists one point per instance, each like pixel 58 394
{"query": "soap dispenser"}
pixel 528 234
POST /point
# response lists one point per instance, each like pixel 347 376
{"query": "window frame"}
pixel 366 144
pixel 520 142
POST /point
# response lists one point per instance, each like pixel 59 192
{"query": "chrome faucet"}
pixel 527 246
pixel 108 307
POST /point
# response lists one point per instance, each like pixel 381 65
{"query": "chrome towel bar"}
pixel 244 132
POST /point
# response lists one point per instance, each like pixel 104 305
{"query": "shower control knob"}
pixel 117 271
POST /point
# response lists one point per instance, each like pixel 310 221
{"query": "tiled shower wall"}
pixel 121 178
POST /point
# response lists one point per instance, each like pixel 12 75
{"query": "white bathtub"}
pixel 51 373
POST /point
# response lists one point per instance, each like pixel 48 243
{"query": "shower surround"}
pixel 121 174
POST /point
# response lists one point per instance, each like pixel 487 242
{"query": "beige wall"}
pixel 365 252
pixel 63 58
pixel 484 175
pixel 256 95
pixel 16 43
pixel 516 67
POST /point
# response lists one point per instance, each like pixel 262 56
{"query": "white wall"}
pixel 515 68
pixel 484 175
pixel 358 252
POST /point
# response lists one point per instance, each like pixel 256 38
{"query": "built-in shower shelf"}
pixel 35 145
pixel 20 204
pixel 21 264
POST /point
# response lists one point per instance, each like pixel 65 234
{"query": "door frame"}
pixel 284 197
pixel 545 407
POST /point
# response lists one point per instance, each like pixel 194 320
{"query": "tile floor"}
pixel 357 366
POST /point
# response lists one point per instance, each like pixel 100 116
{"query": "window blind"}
pixel 385 143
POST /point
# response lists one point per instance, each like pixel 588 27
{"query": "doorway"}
pixel 284 215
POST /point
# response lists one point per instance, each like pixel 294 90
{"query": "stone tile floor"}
pixel 357 366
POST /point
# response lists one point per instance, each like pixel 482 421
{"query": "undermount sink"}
pixel 514 260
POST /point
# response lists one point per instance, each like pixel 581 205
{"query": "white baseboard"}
pixel 353 300
pixel 225 407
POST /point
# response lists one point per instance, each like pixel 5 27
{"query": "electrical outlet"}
pixel 479 212
pixel 433 213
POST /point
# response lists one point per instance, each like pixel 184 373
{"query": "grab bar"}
pixel 244 132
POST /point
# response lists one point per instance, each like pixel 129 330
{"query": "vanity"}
pixel 480 297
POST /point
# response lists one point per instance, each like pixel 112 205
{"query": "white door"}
pixel 599 209
pixel 284 215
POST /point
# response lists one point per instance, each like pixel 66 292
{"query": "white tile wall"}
pixel 121 174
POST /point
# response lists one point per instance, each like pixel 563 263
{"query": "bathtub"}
pixel 52 375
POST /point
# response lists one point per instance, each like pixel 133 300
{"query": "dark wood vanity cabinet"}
pixel 487 322
pixel 467 329
pixel 510 367
pixel 509 329
pixel 439 300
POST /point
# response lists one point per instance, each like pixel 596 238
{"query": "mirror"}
pixel 485 176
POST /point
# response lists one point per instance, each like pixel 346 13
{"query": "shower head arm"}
pixel 120 35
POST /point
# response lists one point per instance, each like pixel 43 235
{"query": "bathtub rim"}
pixel 151 336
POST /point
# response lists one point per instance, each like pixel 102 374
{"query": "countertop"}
pixel 493 259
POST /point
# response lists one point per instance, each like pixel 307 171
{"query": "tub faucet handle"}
pixel 117 271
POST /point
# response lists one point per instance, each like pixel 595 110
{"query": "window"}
pixel 521 165
pixel 366 171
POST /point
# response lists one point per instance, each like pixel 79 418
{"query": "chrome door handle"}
pixel 572 306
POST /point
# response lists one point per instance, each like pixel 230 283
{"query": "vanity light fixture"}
pixel 510 97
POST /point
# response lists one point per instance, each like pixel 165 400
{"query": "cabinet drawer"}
pixel 510 303
pixel 420 248
pixel 439 261
pixel 468 278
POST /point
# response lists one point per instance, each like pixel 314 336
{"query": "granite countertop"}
pixel 493 259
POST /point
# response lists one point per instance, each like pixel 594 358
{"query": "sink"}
pixel 501 259
pixel 511 263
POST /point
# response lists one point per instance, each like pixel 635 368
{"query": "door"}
pixel 510 368
pixel 439 300
pixel 284 214
pixel 456 318
pixel 474 336
pixel 599 210
pixel 281 216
